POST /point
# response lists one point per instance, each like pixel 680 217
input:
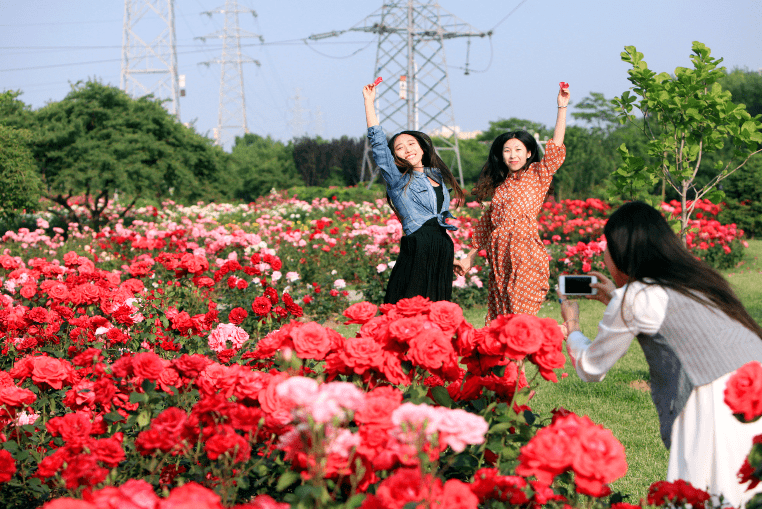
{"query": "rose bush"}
pixel 177 357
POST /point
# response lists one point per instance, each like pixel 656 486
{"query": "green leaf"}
pixel 286 479
pixel 441 396
pixel 144 418
pixel 138 397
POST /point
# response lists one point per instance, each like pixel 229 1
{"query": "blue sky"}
pixel 46 44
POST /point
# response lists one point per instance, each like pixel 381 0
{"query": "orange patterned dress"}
pixel 507 231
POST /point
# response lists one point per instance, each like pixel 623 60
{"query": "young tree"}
pixel 684 117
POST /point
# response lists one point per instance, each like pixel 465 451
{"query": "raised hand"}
pixel 563 96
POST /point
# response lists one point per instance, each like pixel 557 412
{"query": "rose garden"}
pixel 191 355
pixel 234 352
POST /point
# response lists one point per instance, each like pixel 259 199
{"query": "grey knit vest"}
pixel 695 345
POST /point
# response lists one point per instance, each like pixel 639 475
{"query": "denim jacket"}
pixel 416 203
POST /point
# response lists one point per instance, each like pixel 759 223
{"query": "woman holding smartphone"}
pixel 694 333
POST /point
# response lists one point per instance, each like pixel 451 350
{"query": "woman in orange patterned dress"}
pixel 516 181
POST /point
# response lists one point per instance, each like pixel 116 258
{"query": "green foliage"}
pixel 746 88
pixel 326 163
pixel 598 111
pixel 743 196
pixel 19 182
pixel 356 194
pixel 473 155
pixel 513 124
pixel 685 116
pixel 587 166
pixel 260 165
pixel 98 140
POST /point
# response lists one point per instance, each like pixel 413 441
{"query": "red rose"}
pixel 519 335
pixel 599 460
pixel 405 329
pixel 743 392
pixel 311 341
pixel 261 306
pixel 432 349
pixel 249 384
pixel 414 306
pixel 226 440
pixel 7 466
pixel 265 502
pixel 447 315
pixel 191 496
pixel 379 405
pixel 58 292
pixel 191 365
pixel 51 371
pixel 16 397
pixel 360 312
pixel 547 454
pixel 361 353
pixel 28 291
pixel 109 451
pixel 147 365
pixel 458 495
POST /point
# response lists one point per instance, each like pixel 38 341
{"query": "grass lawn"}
pixel 622 402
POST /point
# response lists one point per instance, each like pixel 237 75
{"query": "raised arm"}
pixel 560 130
pixel 369 95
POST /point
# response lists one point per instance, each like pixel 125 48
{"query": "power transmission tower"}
pixel 149 61
pixel 231 116
pixel 410 57
pixel 298 121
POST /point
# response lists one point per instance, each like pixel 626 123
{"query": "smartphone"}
pixel 577 285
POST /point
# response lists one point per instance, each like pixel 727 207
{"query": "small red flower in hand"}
pixel 563 85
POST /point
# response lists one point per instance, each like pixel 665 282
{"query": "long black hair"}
pixel 495 171
pixel 642 245
pixel 430 160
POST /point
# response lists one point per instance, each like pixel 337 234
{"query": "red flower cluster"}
pixel 679 492
pixel 407 486
pixel 139 493
pixel 431 336
pixel 574 443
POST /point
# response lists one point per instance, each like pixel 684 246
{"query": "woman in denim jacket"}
pixel 416 185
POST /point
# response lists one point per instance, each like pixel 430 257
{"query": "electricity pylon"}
pixel 410 55
pixel 231 116
pixel 149 61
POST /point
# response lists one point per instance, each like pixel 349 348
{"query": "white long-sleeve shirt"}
pixel 642 312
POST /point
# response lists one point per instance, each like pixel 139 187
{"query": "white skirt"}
pixel 709 445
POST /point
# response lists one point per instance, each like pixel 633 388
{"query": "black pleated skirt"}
pixel 424 266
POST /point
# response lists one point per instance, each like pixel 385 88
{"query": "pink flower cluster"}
pixel 389 433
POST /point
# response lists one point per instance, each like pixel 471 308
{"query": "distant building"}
pixel 446 132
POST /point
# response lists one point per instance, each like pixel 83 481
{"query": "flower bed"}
pixel 173 360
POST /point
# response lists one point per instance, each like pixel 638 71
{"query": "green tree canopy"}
pixel 745 88
pixel 19 182
pixel 261 164
pixel 98 140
